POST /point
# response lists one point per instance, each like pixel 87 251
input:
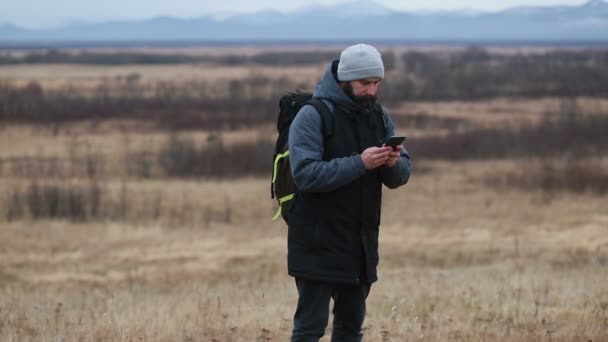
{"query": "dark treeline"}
pixel 60 57
pixel 121 58
pixel 472 74
pixel 476 74
pixel 168 106
pixel 573 135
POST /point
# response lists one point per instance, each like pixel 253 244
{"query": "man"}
pixel 334 218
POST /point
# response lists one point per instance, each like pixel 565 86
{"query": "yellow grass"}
pixel 87 76
pixel 108 138
pixel 459 261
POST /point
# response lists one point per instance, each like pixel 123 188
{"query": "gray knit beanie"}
pixel 359 62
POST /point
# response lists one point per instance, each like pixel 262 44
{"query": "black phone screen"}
pixel 394 141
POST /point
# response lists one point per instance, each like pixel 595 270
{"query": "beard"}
pixel 366 101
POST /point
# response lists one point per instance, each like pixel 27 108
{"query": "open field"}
pixel 119 225
pixel 459 261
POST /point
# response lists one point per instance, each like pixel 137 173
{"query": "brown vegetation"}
pixel 138 207
pixel 472 74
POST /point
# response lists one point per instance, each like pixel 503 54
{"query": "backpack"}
pixel 282 186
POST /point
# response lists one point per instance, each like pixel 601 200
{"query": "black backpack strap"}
pixel 327 119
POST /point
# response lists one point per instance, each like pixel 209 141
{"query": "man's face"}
pixel 363 91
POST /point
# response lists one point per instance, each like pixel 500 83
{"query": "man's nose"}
pixel 371 89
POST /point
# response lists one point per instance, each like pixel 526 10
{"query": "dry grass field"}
pixel 459 261
pixel 465 256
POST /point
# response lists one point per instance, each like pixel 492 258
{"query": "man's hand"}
pixel 394 156
pixel 374 157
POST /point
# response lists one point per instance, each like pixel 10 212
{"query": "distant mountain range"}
pixel 355 21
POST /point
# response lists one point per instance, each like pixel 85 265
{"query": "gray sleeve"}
pixel 310 172
pixel 398 175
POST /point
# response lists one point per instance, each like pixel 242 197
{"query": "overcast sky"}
pixel 42 13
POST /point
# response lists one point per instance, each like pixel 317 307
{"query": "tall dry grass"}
pixel 460 260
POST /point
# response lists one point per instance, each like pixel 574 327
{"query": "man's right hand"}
pixel 374 157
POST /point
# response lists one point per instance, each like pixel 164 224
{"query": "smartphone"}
pixel 394 142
